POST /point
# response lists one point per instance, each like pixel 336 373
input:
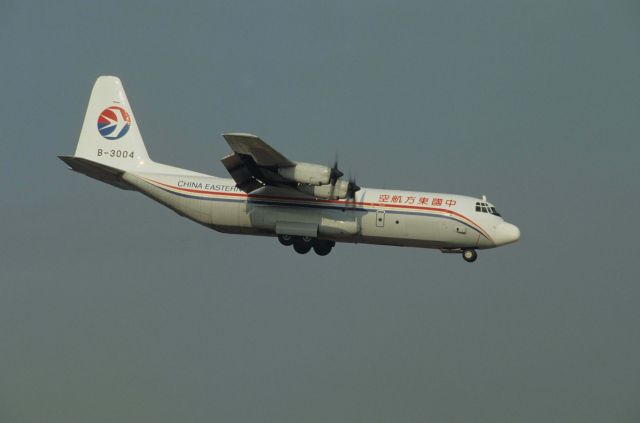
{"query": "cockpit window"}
pixel 483 207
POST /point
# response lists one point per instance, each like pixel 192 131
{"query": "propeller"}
pixel 352 188
pixel 335 174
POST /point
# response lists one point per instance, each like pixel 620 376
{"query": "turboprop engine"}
pixel 320 181
pixel 309 173
pixel 327 191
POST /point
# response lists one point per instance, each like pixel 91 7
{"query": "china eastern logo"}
pixel 114 123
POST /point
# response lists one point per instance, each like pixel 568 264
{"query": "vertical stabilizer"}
pixel 110 133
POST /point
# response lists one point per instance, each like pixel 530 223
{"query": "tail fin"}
pixel 110 134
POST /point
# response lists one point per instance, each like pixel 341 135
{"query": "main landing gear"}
pixel 304 244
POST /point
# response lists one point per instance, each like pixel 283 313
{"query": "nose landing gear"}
pixel 469 255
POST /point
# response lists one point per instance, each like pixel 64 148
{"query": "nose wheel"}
pixel 469 255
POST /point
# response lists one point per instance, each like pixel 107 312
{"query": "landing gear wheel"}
pixel 469 255
pixel 303 244
pixel 322 247
pixel 285 240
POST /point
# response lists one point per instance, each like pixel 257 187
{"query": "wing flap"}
pixel 241 173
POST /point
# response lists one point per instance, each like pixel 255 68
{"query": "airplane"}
pixel 305 205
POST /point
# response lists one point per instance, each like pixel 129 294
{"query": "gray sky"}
pixel 113 308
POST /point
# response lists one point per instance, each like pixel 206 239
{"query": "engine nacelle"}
pixel 327 191
pixel 306 173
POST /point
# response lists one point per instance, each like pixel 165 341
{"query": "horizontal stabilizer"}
pixel 97 171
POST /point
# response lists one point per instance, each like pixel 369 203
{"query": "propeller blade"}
pixel 334 175
pixel 335 172
pixel 352 188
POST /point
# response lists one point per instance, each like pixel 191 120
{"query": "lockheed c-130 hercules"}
pixel 308 206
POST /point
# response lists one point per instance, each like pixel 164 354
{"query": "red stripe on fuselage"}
pixel 314 200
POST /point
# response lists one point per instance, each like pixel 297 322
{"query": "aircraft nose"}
pixel 506 233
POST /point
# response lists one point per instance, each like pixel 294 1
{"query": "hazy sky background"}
pixel 113 308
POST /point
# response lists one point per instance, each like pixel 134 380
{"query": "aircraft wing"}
pixel 254 163
pixel 262 153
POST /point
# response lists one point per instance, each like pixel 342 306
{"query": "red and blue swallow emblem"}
pixel 114 122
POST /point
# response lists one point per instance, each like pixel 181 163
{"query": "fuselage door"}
pixel 380 218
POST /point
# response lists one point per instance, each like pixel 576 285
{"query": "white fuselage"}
pixel 377 216
pixel 305 205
